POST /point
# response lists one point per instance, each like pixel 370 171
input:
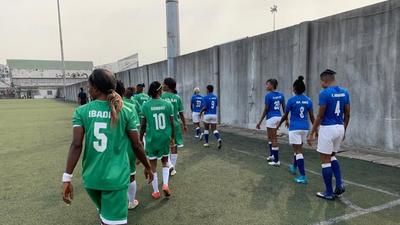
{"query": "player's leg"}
pixel 206 134
pixel 133 202
pixel 302 179
pixel 174 150
pixel 217 135
pixel 325 148
pixel 275 147
pixel 95 196
pixel 293 140
pixel 340 189
pixel 154 183
pixel 165 173
pixel 114 207
pixel 196 122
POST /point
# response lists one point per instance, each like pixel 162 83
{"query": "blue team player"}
pixel 300 108
pixel 196 106
pixel 273 101
pixel 210 116
pixel 333 116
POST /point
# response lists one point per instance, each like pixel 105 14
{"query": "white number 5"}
pixel 101 144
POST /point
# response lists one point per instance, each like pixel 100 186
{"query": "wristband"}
pixel 67 177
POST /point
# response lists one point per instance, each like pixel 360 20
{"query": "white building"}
pixel 42 78
pixel 124 64
pixel 5 81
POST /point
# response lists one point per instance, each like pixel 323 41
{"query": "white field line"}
pixel 319 174
pixel 360 213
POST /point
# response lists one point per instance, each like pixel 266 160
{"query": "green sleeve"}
pixel 180 105
pixel 77 119
pixel 132 121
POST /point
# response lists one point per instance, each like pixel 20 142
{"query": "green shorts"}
pixel 178 135
pixel 111 205
pixel 132 161
pixel 157 152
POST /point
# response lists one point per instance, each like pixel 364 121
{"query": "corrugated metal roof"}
pixel 48 64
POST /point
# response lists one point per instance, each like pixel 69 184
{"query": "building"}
pixel 42 78
pixel 5 81
pixel 124 64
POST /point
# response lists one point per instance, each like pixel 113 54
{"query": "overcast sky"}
pixel 106 30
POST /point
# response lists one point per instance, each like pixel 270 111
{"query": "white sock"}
pixel 165 175
pixel 132 191
pixel 155 183
pixel 174 157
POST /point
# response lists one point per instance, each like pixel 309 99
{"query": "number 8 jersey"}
pixel 105 164
pixel 335 99
pixel 299 107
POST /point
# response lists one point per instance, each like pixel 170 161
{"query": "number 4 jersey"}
pixel 335 99
pixel 105 161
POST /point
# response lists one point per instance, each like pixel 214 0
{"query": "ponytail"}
pixel 116 105
pixel 154 89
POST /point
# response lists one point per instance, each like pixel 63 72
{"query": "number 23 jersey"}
pixel 274 101
pixel 105 164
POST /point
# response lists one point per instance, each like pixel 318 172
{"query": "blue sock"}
pixel 336 171
pixel 198 131
pixel 294 161
pixel 327 175
pixel 206 136
pixel 270 148
pixel 217 135
pixel 300 164
pixel 275 153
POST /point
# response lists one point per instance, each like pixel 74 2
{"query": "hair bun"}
pixel 300 78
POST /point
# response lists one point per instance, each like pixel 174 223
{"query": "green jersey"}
pixel 132 106
pixel 158 127
pixel 176 101
pixel 105 164
pixel 141 98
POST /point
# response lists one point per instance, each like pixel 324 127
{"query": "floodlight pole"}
pixel 62 50
pixel 274 10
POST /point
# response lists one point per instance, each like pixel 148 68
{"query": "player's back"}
pixel 141 98
pixel 299 106
pixel 335 99
pixel 176 102
pixel 157 113
pixel 105 155
pixel 197 103
pixel 211 103
pixel 274 101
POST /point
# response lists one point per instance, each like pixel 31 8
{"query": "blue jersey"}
pixel 335 99
pixel 210 103
pixel 197 103
pixel 274 100
pixel 299 106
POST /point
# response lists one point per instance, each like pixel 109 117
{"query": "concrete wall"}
pixel 361 45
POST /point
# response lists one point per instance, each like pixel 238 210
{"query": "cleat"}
pixel 324 195
pixel 292 169
pixel 201 136
pixel 275 163
pixel 156 195
pixel 339 191
pixel 270 158
pixel 196 136
pixel 219 144
pixel 206 145
pixel 166 190
pixel 134 204
pixel 301 180
pixel 172 172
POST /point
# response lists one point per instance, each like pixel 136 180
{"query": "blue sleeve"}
pixel 205 103
pixel 216 102
pixel 267 99
pixel 192 102
pixel 323 99
pixel 288 106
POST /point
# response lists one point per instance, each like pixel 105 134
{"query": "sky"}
pixel 104 31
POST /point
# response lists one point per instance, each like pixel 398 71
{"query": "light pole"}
pixel 274 10
pixel 62 49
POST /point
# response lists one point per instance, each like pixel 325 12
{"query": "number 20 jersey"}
pixel 335 99
pixel 105 164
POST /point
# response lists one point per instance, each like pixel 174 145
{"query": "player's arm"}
pixel 182 116
pixel 264 113
pixel 191 104
pixel 284 118
pixel 171 120
pixel 140 155
pixel 346 117
pixel 311 114
pixel 142 128
pixel 74 154
pixel 317 122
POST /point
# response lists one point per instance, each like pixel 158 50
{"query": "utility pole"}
pixel 173 40
pixel 62 50
pixel 274 10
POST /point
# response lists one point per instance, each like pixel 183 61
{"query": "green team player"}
pixel 128 97
pixel 157 122
pixel 133 202
pixel 108 128
pixel 140 96
pixel 170 95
